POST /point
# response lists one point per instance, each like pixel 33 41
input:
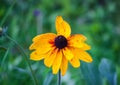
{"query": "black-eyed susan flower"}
pixel 59 49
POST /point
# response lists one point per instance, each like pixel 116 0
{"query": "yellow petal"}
pixel 85 56
pixel 82 55
pixel 64 66
pixel 48 61
pixel 44 45
pixel 57 62
pixel 43 41
pixel 75 62
pixel 67 53
pixel 44 36
pixel 62 27
pixel 76 40
pixel 35 56
pixel 85 47
pixel 43 50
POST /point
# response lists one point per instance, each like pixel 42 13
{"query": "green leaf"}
pixel 48 79
pixel 107 69
pixel 90 74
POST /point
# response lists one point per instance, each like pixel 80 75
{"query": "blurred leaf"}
pixel 91 74
pixel 4 57
pixel 48 79
pixel 98 20
pixel 118 75
pixel 107 69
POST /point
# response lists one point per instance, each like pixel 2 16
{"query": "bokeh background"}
pixel 98 20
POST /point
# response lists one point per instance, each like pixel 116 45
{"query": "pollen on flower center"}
pixel 60 42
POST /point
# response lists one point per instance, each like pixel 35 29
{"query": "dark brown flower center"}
pixel 60 42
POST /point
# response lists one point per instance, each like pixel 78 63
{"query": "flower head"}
pixel 3 31
pixel 36 12
pixel 59 49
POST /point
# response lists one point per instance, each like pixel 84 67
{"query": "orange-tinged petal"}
pixel 62 27
pixel 43 41
pixel 82 55
pixel 48 61
pixel 75 62
pixel 35 56
pixel 67 53
pixel 57 62
pixel 64 65
pixel 76 40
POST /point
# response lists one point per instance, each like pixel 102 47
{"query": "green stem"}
pixel 5 56
pixel 59 78
pixel 26 58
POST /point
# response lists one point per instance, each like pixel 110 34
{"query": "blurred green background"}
pixel 98 20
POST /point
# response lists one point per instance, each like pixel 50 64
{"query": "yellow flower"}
pixel 58 50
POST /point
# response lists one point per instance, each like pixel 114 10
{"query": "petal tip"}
pixel 91 60
pixel 32 58
pixel 46 63
pixel 54 72
pixel 77 66
pixel 30 47
pixel 59 19
pixel 59 16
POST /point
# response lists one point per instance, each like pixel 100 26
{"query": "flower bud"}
pixel 0 31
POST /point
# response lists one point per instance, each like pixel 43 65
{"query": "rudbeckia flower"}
pixel 59 49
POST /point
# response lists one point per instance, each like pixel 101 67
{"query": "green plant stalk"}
pixel 5 56
pixel 59 78
pixel 26 58
pixel 9 10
